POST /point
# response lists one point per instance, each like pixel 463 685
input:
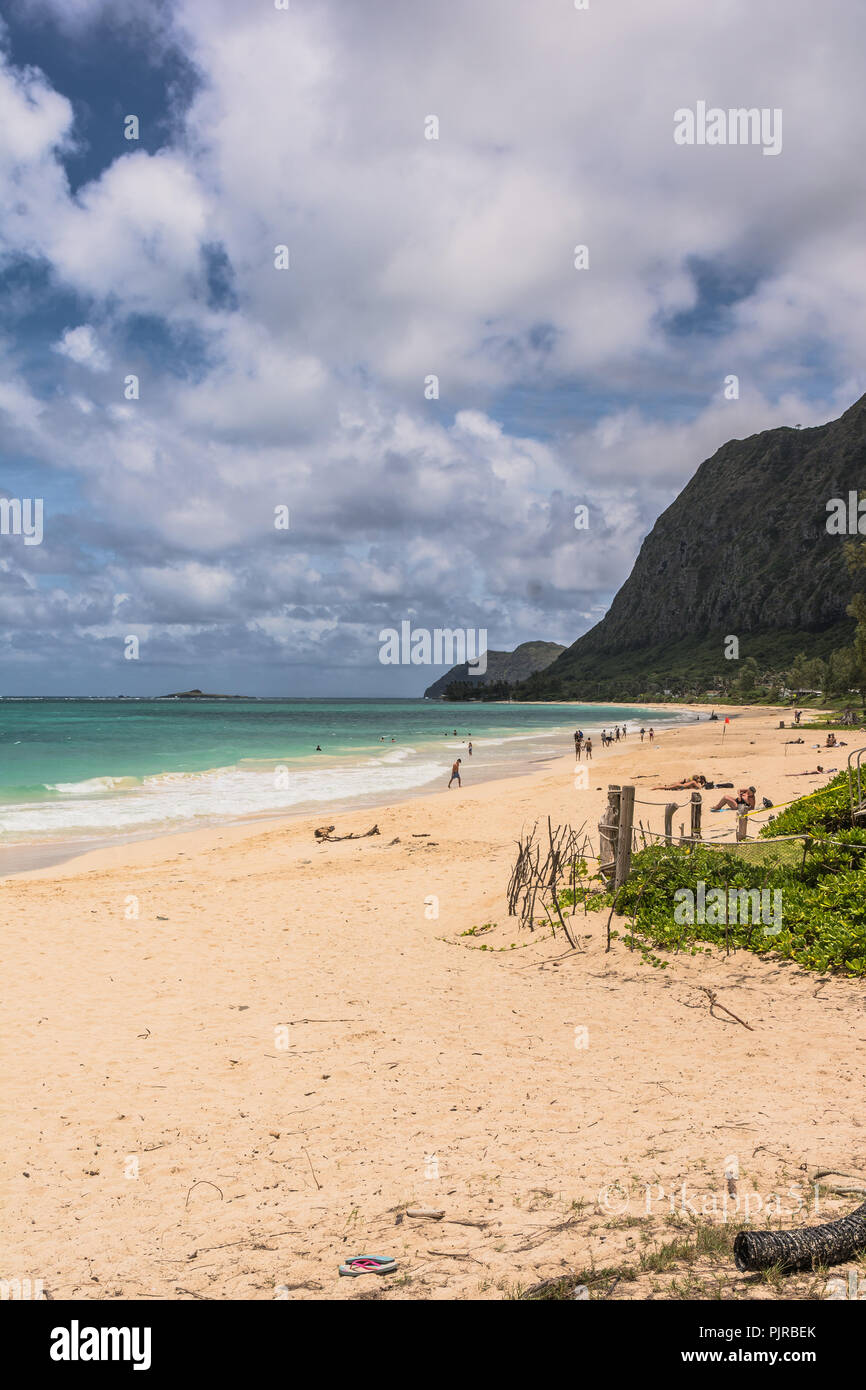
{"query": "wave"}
pixel 114 807
pixel 91 786
pixel 126 806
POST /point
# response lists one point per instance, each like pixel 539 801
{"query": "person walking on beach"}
pixel 617 733
pixel 577 748
pixel 455 773
pixel 470 748
pixel 642 732
pixel 589 750
pixel 652 735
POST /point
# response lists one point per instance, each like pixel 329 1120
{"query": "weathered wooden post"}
pixel 742 825
pixel 696 815
pixel 608 828
pixel 623 845
pixel 669 822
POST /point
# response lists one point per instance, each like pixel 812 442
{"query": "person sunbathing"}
pixel 745 802
pixel 696 782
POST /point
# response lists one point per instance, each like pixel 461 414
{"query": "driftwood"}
pixel 324 833
pixel 855 1188
pixel 815 1246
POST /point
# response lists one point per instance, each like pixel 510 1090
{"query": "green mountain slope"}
pixel 744 551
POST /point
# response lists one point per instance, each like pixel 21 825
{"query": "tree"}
pixel 855 558
pixel 816 674
pixel 840 677
pixel 748 675
pixel 798 678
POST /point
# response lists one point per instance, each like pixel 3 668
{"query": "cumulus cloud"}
pixel 412 259
pixel 80 345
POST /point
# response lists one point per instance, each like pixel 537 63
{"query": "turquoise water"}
pixel 79 769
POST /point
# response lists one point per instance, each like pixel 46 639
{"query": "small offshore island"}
pixel 202 695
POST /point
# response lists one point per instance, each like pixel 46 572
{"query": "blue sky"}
pixel 408 257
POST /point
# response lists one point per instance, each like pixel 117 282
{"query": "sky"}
pixel 167 389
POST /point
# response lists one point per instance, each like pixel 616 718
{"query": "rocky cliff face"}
pixel 512 667
pixel 744 550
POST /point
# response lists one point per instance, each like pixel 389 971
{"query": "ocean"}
pixel 74 772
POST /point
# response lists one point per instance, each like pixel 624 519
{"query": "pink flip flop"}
pixel 368 1264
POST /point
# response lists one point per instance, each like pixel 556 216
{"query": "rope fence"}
pixel 620 837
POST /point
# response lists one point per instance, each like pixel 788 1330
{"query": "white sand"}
pixel 150 1044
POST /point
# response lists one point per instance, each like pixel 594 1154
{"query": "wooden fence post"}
pixel 696 815
pixel 742 826
pixel 623 845
pixel 608 832
pixel 669 822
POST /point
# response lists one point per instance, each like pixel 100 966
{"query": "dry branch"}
pixel 543 871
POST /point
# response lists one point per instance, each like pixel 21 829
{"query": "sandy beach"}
pixel 236 1056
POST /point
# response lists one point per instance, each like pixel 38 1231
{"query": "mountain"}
pixel 510 667
pixel 744 551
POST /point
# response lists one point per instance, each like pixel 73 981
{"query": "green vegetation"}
pixel 771 667
pixel 822 884
pixel 744 551
pixel 825 812
pixel 855 558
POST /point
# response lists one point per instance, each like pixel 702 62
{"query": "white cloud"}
pixel 80 346
pixel 454 257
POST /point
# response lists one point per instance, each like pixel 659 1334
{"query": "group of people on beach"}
pixel 744 800
pixel 582 745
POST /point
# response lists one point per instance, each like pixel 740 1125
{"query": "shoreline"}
pixel 58 854
pixel 110 854
pixel 39 855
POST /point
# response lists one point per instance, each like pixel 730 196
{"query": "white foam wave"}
pixel 226 793
pixel 91 786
